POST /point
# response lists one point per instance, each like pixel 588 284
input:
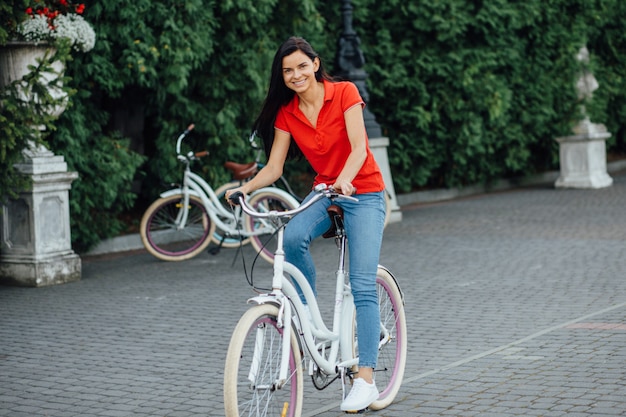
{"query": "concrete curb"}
pixel 133 242
pixel 547 178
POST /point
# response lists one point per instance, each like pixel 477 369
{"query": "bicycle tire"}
pixel 161 236
pixel 259 397
pixel 265 201
pixel 228 242
pixel 392 355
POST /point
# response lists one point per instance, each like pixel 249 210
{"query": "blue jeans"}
pixel 364 222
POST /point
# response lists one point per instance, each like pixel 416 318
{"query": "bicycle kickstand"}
pixel 216 249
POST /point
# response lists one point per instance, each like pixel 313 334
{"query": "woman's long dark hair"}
pixel 278 94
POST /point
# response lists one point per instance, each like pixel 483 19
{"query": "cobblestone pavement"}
pixel 516 306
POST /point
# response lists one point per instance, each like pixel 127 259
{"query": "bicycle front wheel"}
pixel 252 368
pixel 392 348
pixel 266 201
pixel 162 234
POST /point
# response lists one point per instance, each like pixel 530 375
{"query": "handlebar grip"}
pixel 234 198
pixel 201 154
pixel 190 128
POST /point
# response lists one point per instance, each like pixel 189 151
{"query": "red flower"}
pixel 61 6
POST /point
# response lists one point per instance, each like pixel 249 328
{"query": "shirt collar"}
pixel 329 93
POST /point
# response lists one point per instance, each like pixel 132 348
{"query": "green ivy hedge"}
pixel 167 64
pixel 467 91
pixel 471 91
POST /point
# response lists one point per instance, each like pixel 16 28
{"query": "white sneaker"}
pixel 361 396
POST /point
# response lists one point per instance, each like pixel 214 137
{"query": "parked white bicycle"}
pixel 242 172
pixel 276 338
pixel 184 220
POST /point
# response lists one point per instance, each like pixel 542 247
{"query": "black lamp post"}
pixel 350 62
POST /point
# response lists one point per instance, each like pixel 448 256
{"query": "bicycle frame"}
pixel 194 184
pixel 285 296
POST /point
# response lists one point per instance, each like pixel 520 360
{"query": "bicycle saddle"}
pixel 336 219
pixel 242 171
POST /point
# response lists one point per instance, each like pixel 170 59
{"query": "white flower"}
pixel 72 26
pixel 75 28
pixel 35 29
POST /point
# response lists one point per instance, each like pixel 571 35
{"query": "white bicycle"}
pixel 184 220
pixel 263 374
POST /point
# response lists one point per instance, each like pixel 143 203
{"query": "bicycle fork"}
pixel 283 321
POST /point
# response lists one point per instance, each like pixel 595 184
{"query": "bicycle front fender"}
pixel 266 299
pixel 175 191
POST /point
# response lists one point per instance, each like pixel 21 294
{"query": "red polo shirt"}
pixel 327 146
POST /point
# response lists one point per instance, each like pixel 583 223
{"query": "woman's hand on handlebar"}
pixel 232 193
pixel 344 187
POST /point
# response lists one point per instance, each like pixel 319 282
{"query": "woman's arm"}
pixel 274 167
pixel 355 126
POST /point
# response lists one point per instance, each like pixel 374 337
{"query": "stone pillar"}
pixel 379 149
pixel 35 235
pixel 582 156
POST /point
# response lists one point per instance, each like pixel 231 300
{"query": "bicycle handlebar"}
pixel 182 136
pixel 322 190
pixel 190 155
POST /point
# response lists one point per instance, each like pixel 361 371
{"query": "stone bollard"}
pixel 35 235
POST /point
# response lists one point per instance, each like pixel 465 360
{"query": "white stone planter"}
pixel 15 58
pixel 35 241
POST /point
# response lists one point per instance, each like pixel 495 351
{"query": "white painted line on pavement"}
pixel 515 343
pixel 335 405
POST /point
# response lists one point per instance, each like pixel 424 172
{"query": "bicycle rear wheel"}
pixel 162 236
pixel 392 349
pixel 266 201
pixel 253 365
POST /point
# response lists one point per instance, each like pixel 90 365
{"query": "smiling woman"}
pixel 306 112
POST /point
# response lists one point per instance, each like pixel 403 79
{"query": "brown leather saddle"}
pixel 336 219
pixel 242 171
